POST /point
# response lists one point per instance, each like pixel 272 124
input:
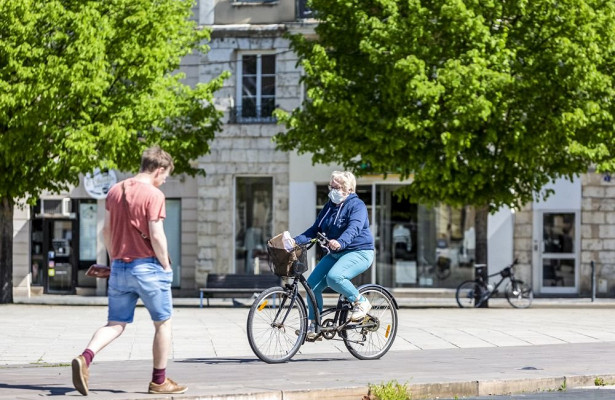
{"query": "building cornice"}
pixel 305 27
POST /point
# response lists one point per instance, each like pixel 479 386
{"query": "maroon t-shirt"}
pixel 146 203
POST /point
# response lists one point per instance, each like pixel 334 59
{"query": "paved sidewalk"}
pixel 438 352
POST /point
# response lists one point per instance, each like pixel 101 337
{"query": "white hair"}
pixel 346 179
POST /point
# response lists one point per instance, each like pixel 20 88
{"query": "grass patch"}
pixel 562 388
pixel 391 390
pixel 46 364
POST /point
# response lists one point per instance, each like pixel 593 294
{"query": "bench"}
pixel 236 285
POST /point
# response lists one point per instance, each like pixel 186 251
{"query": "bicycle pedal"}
pixel 316 339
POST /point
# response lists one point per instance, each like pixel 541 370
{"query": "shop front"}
pixel 63 238
pixel 416 246
pixel 63 244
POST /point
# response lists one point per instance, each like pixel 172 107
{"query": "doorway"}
pixel 53 255
pixel 253 223
pixel 556 244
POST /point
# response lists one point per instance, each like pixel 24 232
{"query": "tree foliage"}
pixel 481 102
pixel 92 83
pixel 87 84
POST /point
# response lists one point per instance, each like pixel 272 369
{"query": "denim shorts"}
pixel 141 278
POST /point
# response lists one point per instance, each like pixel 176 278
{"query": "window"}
pixel 253 223
pixel 255 89
pixel 172 230
pixel 38 258
pixel 88 240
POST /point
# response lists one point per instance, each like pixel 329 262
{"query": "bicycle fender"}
pixel 381 288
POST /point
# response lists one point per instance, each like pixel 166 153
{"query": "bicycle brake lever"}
pixel 324 244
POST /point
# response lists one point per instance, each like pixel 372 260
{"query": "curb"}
pixel 353 393
pixel 424 391
pixel 503 387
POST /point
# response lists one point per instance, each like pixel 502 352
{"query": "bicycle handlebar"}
pixel 322 240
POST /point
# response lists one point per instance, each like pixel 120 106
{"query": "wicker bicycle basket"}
pixel 287 263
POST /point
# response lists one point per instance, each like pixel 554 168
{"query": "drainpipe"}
pixel 593 264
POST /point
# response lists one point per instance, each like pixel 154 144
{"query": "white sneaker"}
pixel 311 334
pixel 360 308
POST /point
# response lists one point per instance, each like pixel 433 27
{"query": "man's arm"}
pixel 159 242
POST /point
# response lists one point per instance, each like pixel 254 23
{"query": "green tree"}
pixel 480 102
pixel 87 84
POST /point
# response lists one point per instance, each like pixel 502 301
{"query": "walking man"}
pixel 140 268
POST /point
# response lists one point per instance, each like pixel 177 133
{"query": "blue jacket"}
pixel 347 222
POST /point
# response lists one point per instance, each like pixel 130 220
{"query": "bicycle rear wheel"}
pixel 277 325
pixel 467 292
pixel 372 338
pixel 519 294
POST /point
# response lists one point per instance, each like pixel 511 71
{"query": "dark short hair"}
pixel 154 158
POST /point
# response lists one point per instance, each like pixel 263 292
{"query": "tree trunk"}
pixel 480 225
pixel 6 250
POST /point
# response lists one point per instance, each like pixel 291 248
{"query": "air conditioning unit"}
pixel 56 207
pixel 66 206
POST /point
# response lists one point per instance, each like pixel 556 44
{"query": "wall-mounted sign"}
pixel 98 183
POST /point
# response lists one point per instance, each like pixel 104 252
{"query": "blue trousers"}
pixel 335 270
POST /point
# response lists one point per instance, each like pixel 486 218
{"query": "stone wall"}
pixel 522 247
pixel 598 234
pixel 21 250
pixel 240 149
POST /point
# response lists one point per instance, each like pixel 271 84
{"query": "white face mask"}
pixel 336 196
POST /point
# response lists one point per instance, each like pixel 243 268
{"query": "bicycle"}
pixel 277 322
pixel 473 293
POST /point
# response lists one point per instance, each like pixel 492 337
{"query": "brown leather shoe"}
pixel 169 386
pixel 81 375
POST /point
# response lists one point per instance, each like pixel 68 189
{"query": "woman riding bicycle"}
pixel 344 220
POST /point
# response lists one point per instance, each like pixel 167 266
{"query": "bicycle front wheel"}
pixel 372 338
pixel 467 292
pixel 519 294
pixel 277 325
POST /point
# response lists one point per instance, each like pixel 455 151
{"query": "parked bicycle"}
pixel 474 293
pixel 277 322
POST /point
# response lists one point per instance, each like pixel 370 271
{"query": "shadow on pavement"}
pixel 53 390
pixel 213 361
pixel 222 360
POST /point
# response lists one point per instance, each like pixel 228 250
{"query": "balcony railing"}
pixel 251 115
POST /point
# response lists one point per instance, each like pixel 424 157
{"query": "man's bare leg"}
pixel 105 335
pixel 162 343
pixel 101 338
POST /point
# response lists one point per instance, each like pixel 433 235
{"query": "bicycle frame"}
pixel 300 279
pixel 339 310
pixel 490 293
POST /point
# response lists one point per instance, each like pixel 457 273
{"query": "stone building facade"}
pixel 251 191
pixel 244 148
pixel 598 233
